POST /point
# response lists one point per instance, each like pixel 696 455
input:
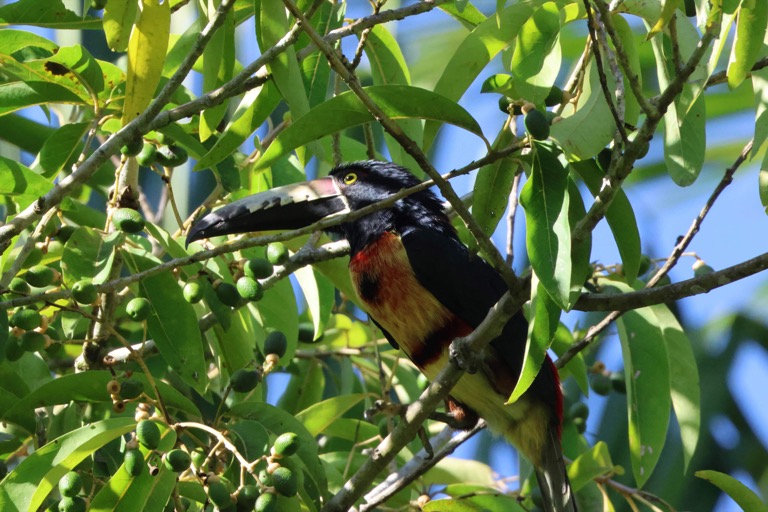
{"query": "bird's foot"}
pixel 384 407
pixel 463 357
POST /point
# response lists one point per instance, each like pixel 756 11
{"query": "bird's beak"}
pixel 288 207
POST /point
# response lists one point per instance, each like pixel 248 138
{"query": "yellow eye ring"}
pixel 350 178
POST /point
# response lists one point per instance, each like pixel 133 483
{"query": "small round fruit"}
pixel 286 444
pixel 134 462
pixel 133 147
pixel 13 349
pixel 618 382
pixel 73 504
pixel 33 341
pixel 579 410
pixel 600 384
pixel 148 434
pixel 18 285
pixel 193 292
pixel 258 268
pixel 277 253
pixel 131 388
pixel 39 276
pixel 504 103
pixel 276 343
pixel 228 294
pixel 171 156
pixel 177 460
pixel 219 494
pixel 536 124
pixel 34 257
pixel 267 502
pixel 128 220
pixel 98 4
pixel 307 333
pixel 246 497
pixel 244 380
pixel 70 484
pixel 285 481
pixel 138 309
pixel 265 478
pixel 250 289
pixel 555 96
pixel 84 292
pixel 580 424
pixel 65 232
pixel 26 319
pixel 198 457
pixel 148 155
pixel 702 270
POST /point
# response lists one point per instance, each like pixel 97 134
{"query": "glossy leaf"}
pixel 119 17
pixel 346 110
pixel 751 24
pixel 740 493
pixel 589 465
pixel 476 51
pixel 218 66
pixel 319 294
pixel 12 40
pixel 62 148
pixel 476 503
pixel 172 324
pixel 493 186
pixel 18 95
pixel 47 14
pixel 88 254
pixel 536 57
pixel 278 310
pixel 146 53
pixel 26 487
pixel 20 182
pixel 667 11
pixel 760 87
pixel 317 417
pixel 548 232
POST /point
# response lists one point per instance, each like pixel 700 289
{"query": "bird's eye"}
pixel 350 178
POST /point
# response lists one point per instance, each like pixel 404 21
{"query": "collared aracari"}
pixel 423 288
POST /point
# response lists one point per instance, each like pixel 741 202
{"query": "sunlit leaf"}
pixel 493 186
pixel 47 14
pixel 589 465
pixel 21 182
pixel 740 493
pixel 536 57
pixel 88 254
pixel 62 148
pixel 119 17
pixel 751 24
pixel 218 66
pixel 317 417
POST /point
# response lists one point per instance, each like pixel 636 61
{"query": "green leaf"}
pixel 751 25
pixel 589 465
pixel 493 186
pixel 126 493
pixel 536 57
pixel 119 17
pixel 760 88
pixel 476 503
pixel 18 95
pixel 740 493
pixel 24 133
pixel 541 331
pixel 252 438
pixel 12 40
pixel 620 217
pixel 315 68
pixel 236 343
pixel 763 182
pixel 21 182
pixel 627 37
pixel 218 66
pixel 455 471
pixel 278 311
pixel 585 132
pixel 576 367
pixel 346 110
pixel 548 232
pixel 88 254
pixel 46 14
pixel 172 323
pixel 317 417
pixel 62 148
pixel 319 294
pixel 305 387
pixel 34 478
pixel 646 371
pixel 476 51
pixel 667 11
pixel 684 380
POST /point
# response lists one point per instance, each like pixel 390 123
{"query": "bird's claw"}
pixel 461 356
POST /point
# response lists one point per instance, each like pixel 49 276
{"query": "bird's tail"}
pixel 553 479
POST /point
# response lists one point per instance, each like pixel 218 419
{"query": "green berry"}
pixel 258 268
pixel 34 257
pixel 39 276
pixel 133 147
pixel 504 103
pixel 286 444
pixel 128 220
pixel 228 294
pixel 65 232
pixel 267 502
pixel 277 253
pixel 618 382
pixel 246 497
pixel 177 460
pixel 84 292
pixel 26 319
pixel 249 289
pixel 13 349
pixel 134 462
pixel 131 388
pixel 600 383
pixel 33 341
pixel 73 504
pixel 578 410
pixel 19 285
pixel 265 478
pixel 307 333
pixel 580 424
pixel 285 481
pixel 198 456
pixel 244 380
pixel 702 270
pixel 219 494
pixel 148 434
pixel 536 124
pixel 138 309
pixel 148 155
pixel 171 156
pixel 70 484
pixel 98 4
pixel 555 96
pixel 193 292
pixel 276 343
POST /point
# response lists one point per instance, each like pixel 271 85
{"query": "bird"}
pixel 423 288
